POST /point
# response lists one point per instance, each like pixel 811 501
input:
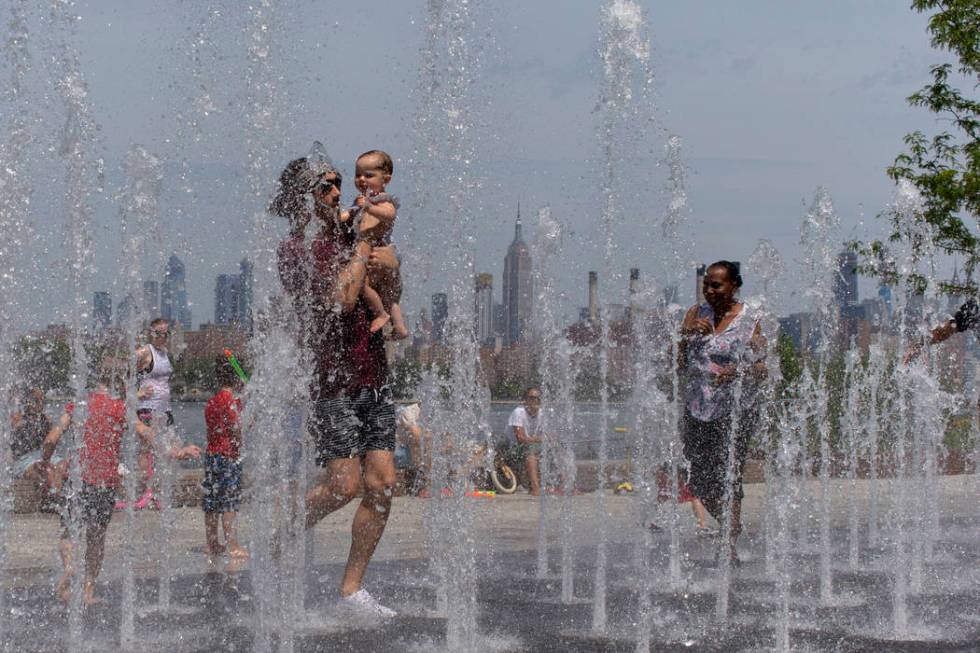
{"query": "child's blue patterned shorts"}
pixel 222 484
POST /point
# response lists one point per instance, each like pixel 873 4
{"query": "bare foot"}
pixel 88 596
pixel 237 552
pixel 735 560
pixel 378 323
pixel 398 330
pixel 63 589
pixel 399 334
pixel 235 565
pixel 534 493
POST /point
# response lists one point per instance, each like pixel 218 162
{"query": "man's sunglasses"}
pixel 160 334
pixel 327 185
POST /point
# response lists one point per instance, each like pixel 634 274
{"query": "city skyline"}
pixel 518 287
pixel 173 294
pixel 233 296
pixel 749 163
pixel 483 307
pixel 166 299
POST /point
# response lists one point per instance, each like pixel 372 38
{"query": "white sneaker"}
pixel 360 602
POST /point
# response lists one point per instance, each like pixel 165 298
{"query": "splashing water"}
pixel 625 92
pixel 767 263
pixel 139 213
pixel 459 414
pixel 895 417
pixel 818 237
pixel 546 243
pixel 272 386
pixel 83 181
pixel 15 196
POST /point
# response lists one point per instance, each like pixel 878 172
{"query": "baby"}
pixel 373 217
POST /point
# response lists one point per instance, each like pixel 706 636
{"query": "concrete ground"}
pixel 505 530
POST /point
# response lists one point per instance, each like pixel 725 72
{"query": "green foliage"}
pixel 405 377
pixel 790 365
pixel 44 364
pixel 837 384
pixel 959 433
pixel 194 373
pixel 509 389
pixel 945 167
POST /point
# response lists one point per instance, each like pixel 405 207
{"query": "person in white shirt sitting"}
pixel 525 436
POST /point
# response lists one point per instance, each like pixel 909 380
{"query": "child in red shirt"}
pixel 98 461
pixel 222 467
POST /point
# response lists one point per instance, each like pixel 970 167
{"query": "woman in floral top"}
pixel 721 355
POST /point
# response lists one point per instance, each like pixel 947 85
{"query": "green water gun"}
pixel 236 366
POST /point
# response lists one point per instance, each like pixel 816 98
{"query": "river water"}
pixel 189 419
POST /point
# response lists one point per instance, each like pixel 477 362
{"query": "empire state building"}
pixel 518 290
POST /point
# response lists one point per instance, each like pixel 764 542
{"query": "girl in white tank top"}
pixel 157 379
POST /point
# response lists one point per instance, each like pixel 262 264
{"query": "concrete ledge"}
pixel 27 495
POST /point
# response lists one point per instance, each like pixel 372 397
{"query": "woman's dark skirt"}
pixel 706 446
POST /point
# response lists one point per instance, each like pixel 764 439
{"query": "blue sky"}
pixel 771 99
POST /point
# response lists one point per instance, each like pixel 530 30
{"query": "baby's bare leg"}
pixel 388 284
pixel 376 306
pixel 399 328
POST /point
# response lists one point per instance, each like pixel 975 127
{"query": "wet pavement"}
pixel 214 606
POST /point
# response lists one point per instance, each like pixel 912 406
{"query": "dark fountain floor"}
pixel 217 612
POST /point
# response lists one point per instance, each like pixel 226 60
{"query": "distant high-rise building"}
pixel 846 281
pixel 173 294
pixel 151 300
pixel 634 290
pixel 423 329
pixel 954 299
pixel 101 310
pixel 245 296
pixel 499 319
pixel 915 303
pixel 802 329
pixel 440 312
pixel 634 286
pixel 126 309
pixel 227 299
pixel 518 288
pixel 483 305
pixel 699 284
pixel 593 296
pixel 615 312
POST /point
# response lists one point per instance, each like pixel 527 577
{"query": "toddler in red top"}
pixel 222 468
pixel 91 505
